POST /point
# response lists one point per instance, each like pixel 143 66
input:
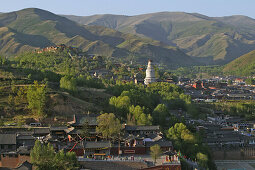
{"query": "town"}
pixel 110 85
pixel 228 136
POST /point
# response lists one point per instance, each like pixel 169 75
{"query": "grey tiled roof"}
pixel 8 139
pixel 24 150
pixel 102 144
pixel 25 166
pixel 58 128
pixel 81 118
pixel 161 143
pixel 41 130
pixel 129 128
pixel 25 137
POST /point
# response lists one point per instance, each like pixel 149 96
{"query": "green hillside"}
pixel 243 66
pixel 210 40
pixel 34 28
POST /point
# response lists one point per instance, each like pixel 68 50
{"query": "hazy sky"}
pixel 134 7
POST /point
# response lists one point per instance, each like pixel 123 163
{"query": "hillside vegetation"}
pixel 210 40
pixel 243 66
pixel 30 29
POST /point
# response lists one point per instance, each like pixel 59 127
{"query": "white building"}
pixel 150 74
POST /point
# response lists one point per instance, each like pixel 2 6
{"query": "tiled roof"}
pixel 81 118
pixel 102 144
pixel 41 130
pixel 58 128
pixel 8 139
pixel 25 137
pixel 161 143
pixel 24 150
pixel 129 128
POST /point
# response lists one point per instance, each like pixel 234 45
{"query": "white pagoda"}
pixel 150 74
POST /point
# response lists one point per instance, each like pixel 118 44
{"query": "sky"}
pixel 213 8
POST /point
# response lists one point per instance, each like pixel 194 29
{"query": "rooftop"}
pixel 102 144
pixel 80 119
pixel 8 139
pixel 129 128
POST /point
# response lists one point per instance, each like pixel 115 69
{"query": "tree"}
pixel 155 152
pixel 85 129
pixel 120 105
pixel 202 159
pixel 108 125
pixel 68 83
pixel 159 114
pixel 144 119
pixel 180 133
pixel 250 81
pixel 67 161
pixel 44 157
pixel 140 117
pixel 36 97
pixel 230 82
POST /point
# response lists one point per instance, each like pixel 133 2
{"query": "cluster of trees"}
pixel 36 97
pixel 71 83
pixel 4 61
pixel 245 109
pixel 33 97
pixel 250 81
pixel 136 116
pixel 198 71
pixel 60 61
pixel 45 157
pixel 149 105
pixel 190 145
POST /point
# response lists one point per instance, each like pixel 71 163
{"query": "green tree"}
pixel 44 157
pixel 202 159
pixel 68 83
pixel 36 97
pixel 139 115
pixel 85 129
pixel 155 152
pixel 120 105
pixel 159 114
pixel 108 125
pixel 144 119
pixel 180 133
pixel 230 82
pixel 67 161
pixel 250 81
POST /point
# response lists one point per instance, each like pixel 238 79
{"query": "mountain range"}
pixel 33 28
pixel 169 38
pixel 211 40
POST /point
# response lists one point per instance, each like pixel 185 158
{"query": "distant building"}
pixel 150 74
pixel 138 78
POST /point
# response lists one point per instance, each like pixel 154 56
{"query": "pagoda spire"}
pixel 150 74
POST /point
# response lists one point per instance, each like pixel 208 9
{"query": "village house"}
pixel 8 142
pixel 13 159
pixel 97 149
pixel 79 120
pixel 146 130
